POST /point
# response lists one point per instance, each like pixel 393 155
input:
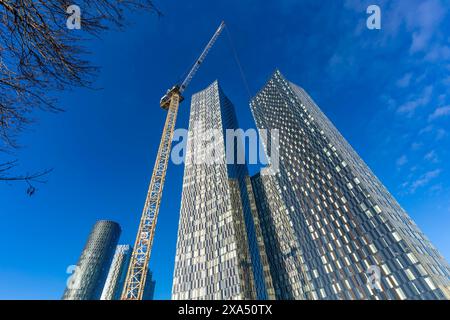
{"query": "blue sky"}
pixel 386 91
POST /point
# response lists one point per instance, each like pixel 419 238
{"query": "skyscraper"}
pixel 331 229
pixel 117 273
pixel 90 274
pixel 149 288
pixel 220 253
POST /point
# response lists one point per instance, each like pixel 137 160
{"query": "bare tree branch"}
pixel 39 55
pixel 29 178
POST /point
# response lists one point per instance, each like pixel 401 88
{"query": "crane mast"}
pixel 138 268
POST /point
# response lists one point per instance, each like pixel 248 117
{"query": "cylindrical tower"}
pixel 88 279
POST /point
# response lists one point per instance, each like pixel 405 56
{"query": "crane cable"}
pixel 236 58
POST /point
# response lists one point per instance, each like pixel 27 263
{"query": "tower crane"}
pixel 138 268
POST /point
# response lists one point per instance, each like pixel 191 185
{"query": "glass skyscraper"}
pixel 220 253
pixel 149 288
pixel 117 273
pixel 330 227
pixel 90 274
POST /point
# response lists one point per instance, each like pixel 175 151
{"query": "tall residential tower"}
pixel 91 271
pixel 331 229
pixel 220 253
pixel 117 273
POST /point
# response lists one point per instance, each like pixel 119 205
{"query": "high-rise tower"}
pixel 91 271
pixel 117 273
pixel 331 229
pixel 149 288
pixel 220 254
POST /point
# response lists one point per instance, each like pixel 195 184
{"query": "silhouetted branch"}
pixel 39 54
pixel 29 178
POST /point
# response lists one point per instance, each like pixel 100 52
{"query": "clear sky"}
pixel 385 90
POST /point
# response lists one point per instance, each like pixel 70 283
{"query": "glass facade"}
pixel 327 220
pixel 94 262
pixel 117 273
pixel 219 254
pixel 149 288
